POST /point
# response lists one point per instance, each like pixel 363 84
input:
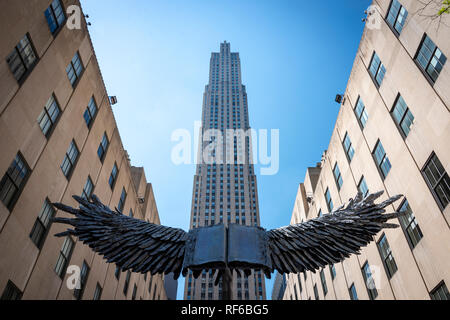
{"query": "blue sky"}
pixel 295 55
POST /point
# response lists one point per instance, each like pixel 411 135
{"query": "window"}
pixel 78 293
pixel 98 292
pixel 324 282
pixel 382 161
pixel 337 176
pixel 74 69
pixel 386 256
pixel 101 152
pixel 397 16
pixel 430 59
pixel 316 293
pixel 14 181
pixel 22 59
pixel 55 16
pixel 64 257
pixel 409 225
pixel 440 292
pixel 402 116
pixel 370 283
pixel 113 176
pixel 117 273
pixel 377 70
pixel 332 271
pixel 70 159
pixel 87 190
pixel 122 199
pixel 90 113
pixel 362 187
pixel 49 116
pixel 352 292
pixel 42 224
pixel 348 148
pixel 361 114
pixel 329 200
pixel 11 292
pixel 437 180
pixel 127 283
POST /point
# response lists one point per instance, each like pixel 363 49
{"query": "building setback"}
pixel 59 138
pixel 392 133
pixel 225 190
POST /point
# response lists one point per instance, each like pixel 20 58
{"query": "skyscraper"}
pixel 224 189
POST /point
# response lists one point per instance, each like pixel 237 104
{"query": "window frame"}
pixel 359 186
pixel 73 164
pixel 330 208
pixel 352 292
pixel 115 177
pixel 339 177
pixel 103 148
pixel 350 147
pixel 439 286
pixel 390 273
pixel 19 188
pixel 77 76
pixel 11 292
pixel 47 114
pixel 373 293
pixel 385 157
pixel 394 30
pixel 364 113
pixel 66 258
pixel 399 124
pixel 60 25
pixel 433 192
pixel 78 293
pixel 39 243
pixel 424 71
pixel 380 66
pixel 28 69
pixel 92 117
pixel 412 244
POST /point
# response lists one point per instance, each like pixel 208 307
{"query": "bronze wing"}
pixel 331 238
pixel 130 243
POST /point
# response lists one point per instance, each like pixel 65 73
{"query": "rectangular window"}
pixel 337 176
pixel 316 293
pixel 98 292
pixel 387 257
pixel 90 113
pixel 113 176
pixel 49 116
pixel 78 293
pixel 74 69
pixel 352 292
pixel 103 147
pixel 377 69
pixel 329 200
pixel 402 116
pixel 361 113
pixel 348 148
pixel 362 187
pixel 70 159
pixel 55 16
pixel 42 224
pixel 369 281
pixel 64 256
pixel 11 292
pixel 22 59
pixel 13 182
pixel 117 273
pixel 437 180
pixel 332 271
pixel 87 190
pixel 382 161
pixel 409 225
pixel 127 283
pixel 430 59
pixel 397 16
pixel 440 292
pixel 324 282
pixel 122 199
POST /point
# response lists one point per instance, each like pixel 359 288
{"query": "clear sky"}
pixel 295 56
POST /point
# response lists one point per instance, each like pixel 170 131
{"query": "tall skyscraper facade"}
pixel 224 189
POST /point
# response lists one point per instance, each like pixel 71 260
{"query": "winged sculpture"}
pixel 143 247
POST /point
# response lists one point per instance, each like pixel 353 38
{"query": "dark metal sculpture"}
pixel 143 247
